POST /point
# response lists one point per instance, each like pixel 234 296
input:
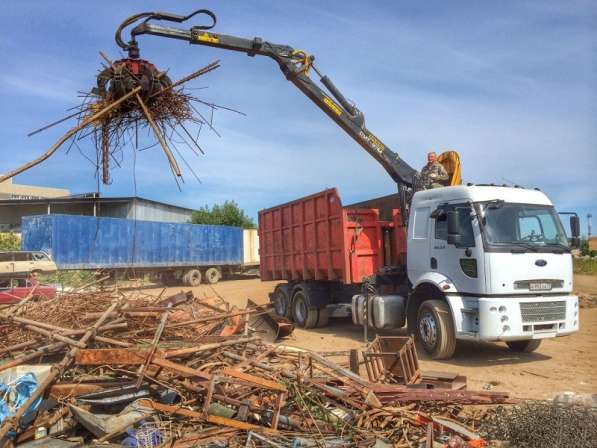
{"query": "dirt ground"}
pixel 559 365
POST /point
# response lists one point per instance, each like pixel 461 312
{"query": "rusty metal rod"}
pixel 217 317
pixel 154 345
pixel 35 354
pixel 196 74
pixel 68 135
pixel 206 347
pixel 160 137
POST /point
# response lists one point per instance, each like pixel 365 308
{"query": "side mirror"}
pixel 574 226
pixel 454 229
pixel 575 231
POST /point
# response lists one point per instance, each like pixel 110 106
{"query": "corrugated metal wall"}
pixel 148 211
pixel 84 242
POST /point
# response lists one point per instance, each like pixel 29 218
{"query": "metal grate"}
pixel 543 311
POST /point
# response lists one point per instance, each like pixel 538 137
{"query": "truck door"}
pixel 462 263
pixel 418 242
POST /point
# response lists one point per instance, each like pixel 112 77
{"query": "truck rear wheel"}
pixel 302 313
pixel 528 346
pixel 281 302
pixel 435 329
pixel 212 275
pixel 193 277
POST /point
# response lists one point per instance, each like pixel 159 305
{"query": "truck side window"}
pixel 421 223
pixel 6 256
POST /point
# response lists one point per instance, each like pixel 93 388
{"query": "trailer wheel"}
pixel 302 314
pixel 527 346
pixel 212 275
pixel 193 277
pixel 435 329
pixel 281 302
pixel 167 278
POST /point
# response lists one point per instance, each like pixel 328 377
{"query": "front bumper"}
pixel 503 319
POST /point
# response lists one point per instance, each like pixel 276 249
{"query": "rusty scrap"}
pixel 170 356
pixel 132 96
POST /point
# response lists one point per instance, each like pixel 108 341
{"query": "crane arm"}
pixel 295 65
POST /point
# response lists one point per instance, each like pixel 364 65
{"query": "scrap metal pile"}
pixel 134 369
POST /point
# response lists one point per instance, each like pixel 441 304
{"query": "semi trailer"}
pixel 173 253
pixel 476 262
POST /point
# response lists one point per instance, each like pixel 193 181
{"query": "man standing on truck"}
pixel 433 174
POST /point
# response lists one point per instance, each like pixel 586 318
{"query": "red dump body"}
pixel 315 238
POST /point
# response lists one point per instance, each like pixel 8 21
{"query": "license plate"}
pixel 539 286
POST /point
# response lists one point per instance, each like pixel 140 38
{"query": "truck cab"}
pixel 488 263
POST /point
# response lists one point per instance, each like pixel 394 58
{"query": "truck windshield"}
pixel 527 226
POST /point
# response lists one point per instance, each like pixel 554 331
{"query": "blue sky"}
pixel 510 85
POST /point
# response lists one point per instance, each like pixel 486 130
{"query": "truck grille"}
pixel 542 311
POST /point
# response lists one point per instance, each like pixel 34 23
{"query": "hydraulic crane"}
pixel 296 66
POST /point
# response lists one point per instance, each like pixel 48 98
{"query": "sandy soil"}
pixel 562 364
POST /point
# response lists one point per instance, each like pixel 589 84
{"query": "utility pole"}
pixel 589 216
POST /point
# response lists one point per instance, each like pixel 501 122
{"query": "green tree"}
pixel 227 214
pixel 10 241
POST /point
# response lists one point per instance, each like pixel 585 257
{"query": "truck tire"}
pixel 193 277
pixel 302 314
pixel 281 302
pixel 167 278
pixel 323 318
pixel 528 346
pixel 435 329
pixel 212 276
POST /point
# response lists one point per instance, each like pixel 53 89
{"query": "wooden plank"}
pixel 258 381
pixel 438 375
pixel 179 368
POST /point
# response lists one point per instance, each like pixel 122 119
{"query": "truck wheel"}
pixel 527 346
pixel 302 314
pixel 167 278
pixel 323 318
pixel 193 277
pixel 435 329
pixel 212 275
pixel 281 302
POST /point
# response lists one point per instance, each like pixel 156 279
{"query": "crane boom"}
pixel 295 65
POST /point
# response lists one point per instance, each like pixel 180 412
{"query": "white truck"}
pixel 476 262
pixel 489 263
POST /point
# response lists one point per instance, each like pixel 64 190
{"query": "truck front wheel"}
pixel 435 329
pixel 528 346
